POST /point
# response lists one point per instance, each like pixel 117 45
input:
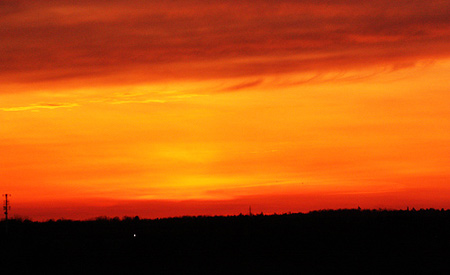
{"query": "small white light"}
pixel 134 235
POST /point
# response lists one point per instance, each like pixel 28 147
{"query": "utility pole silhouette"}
pixel 6 207
pixel 250 210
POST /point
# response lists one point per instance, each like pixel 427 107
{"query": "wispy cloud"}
pixel 138 101
pixel 129 98
pixel 187 39
pixel 36 107
pixel 241 86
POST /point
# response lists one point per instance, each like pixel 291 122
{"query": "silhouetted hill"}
pixel 366 241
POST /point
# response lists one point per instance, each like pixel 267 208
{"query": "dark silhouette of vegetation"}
pixel 327 241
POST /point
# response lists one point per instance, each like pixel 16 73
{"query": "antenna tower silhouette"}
pixel 6 207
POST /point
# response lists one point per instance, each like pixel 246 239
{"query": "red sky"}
pixel 203 107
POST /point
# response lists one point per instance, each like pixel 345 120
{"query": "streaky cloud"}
pixel 35 107
pixel 148 42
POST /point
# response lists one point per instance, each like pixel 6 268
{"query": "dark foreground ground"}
pixel 342 241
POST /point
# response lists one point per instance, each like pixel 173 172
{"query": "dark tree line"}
pixel 367 241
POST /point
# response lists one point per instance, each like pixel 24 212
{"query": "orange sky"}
pixel 190 107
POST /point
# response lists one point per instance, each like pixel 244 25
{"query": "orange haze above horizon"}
pixel 195 107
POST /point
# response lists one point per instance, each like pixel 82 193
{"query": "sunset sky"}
pixel 184 107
